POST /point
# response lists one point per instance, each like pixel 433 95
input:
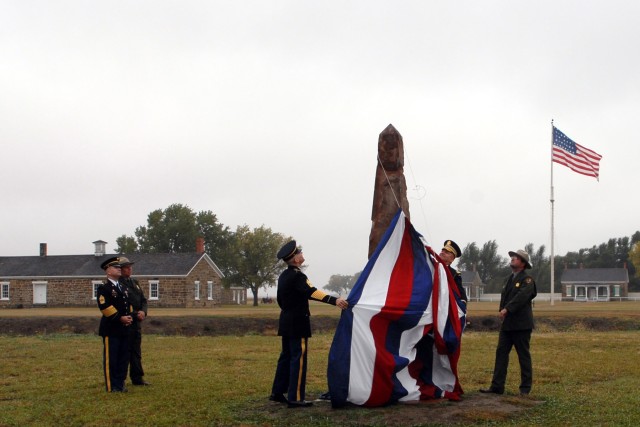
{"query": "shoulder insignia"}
pixel 528 280
pixel 518 285
pixel 101 299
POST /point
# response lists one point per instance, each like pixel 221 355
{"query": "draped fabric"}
pixel 403 294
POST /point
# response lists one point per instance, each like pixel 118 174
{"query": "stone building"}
pixel 185 280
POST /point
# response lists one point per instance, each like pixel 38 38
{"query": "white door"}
pixel 39 293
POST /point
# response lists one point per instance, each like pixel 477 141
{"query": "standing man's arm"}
pixel 143 303
pixel 318 295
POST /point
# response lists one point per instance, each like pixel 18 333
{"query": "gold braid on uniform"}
pixel 318 295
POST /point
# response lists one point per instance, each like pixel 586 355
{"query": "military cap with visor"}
pixel 111 262
pixel 451 246
pixel 289 250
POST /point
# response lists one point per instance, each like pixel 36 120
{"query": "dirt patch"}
pixel 236 325
pixel 473 408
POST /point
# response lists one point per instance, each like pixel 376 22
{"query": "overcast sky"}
pixel 268 113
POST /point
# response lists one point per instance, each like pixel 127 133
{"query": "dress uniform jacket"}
pixel 294 292
pixel 457 277
pixel 516 297
pixel 113 303
pixel 137 300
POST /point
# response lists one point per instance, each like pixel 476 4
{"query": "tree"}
pixel 126 244
pixel 634 258
pixel 491 267
pixel 170 231
pixel 175 230
pixel 254 264
pixel 341 284
pixel 541 267
pixel 217 238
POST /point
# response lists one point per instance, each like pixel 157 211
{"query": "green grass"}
pixel 583 378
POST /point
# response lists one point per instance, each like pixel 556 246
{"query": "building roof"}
pixel 595 275
pixel 89 265
pixel 470 277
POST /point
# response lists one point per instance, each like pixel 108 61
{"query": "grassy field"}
pixel 580 378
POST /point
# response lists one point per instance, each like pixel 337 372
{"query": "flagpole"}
pixel 552 200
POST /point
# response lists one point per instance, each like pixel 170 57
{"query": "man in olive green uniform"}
pixel 294 292
pixel 139 305
pixel 516 314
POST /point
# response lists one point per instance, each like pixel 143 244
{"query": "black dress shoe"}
pixel 119 390
pixel 325 396
pixel 278 398
pixel 141 383
pixel 491 390
pixel 299 404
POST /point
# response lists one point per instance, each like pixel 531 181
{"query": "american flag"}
pixel 403 294
pixel 576 157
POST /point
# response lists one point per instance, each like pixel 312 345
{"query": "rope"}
pixel 389 182
pixel 416 188
pixel 424 217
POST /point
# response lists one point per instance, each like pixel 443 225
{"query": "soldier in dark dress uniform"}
pixel 294 292
pixel 115 324
pixel 139 305
pixel 425 347
pixel 516 313
pixel 450 251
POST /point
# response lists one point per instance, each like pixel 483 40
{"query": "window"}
pixel 209 290
pixel 568 290
pixel 154 289
pixel 603 291
pixel 4 290
pixel 95 284
pixel 197 290
pixel 616 290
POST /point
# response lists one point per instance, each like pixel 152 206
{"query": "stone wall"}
pixel 77 292
pixel 172 291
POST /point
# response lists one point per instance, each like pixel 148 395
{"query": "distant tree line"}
pixel 493 268
pixel 246 256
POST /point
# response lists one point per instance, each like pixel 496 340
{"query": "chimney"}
pixel 99 248
pixel 200 245
pixel 43 249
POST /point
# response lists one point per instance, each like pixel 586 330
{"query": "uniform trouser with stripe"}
pixel 135 361
pixel 115 361
pixel 506 340
pixel 291 372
